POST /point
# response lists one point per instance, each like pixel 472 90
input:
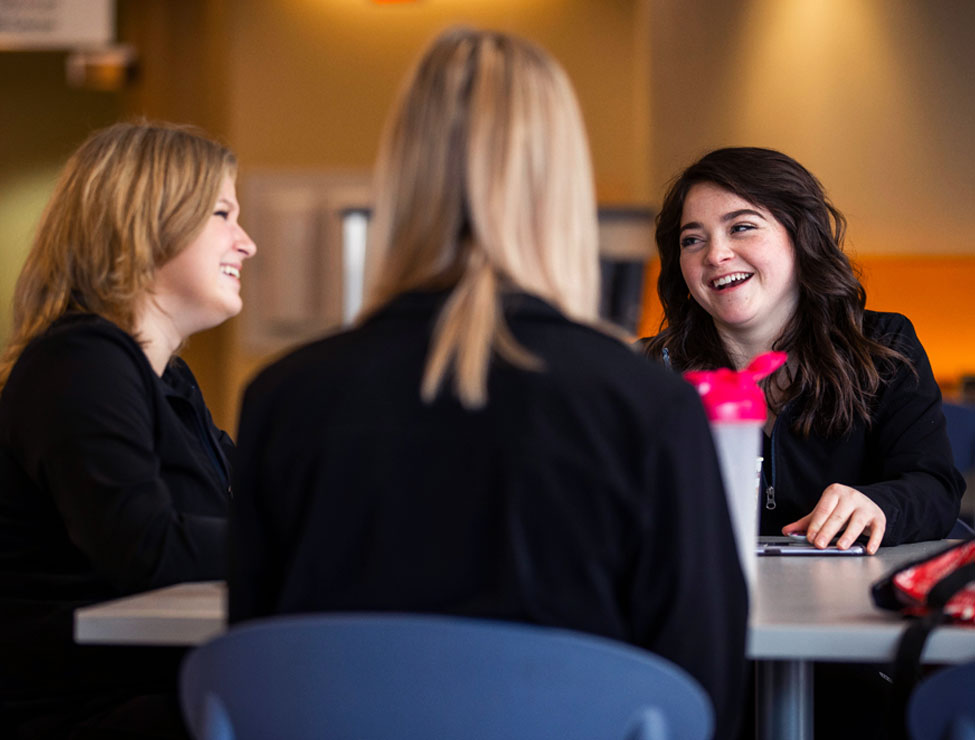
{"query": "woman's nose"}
pixel 245 245
pixel 718 251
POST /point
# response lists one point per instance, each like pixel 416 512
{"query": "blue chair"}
pixel 371 676
pixel 942 706
pixel 960 420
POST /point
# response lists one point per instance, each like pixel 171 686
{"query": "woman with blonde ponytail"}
pixel 475 445
pixel 113 477
pixel 461 204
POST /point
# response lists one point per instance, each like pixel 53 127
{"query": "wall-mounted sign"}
pixel 56 24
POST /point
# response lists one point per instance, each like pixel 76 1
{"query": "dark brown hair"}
pixel 835 368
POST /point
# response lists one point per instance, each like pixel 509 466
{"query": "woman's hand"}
pixel 841 507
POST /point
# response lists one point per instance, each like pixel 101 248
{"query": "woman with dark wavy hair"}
pixel 752 260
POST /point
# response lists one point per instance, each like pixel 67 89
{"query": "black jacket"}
pixel 902 460
pixel 585 496
pixel 112 481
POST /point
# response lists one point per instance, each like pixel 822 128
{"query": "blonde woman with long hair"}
pixel 113 478
pixel 475 445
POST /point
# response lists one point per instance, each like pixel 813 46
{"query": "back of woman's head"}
pixel 128 200
pixel 484 183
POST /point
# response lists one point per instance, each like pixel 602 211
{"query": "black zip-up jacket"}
pixel 902 460
pixel 112 481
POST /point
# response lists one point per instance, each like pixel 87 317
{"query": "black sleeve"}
pixel 919 490
pixel 224 440
pixel 690 590
pixel 254 571
pixel 87 435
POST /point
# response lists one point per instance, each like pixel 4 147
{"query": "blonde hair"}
pixel 484 183
pixel 128 200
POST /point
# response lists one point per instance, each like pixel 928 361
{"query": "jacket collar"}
pixel 515 303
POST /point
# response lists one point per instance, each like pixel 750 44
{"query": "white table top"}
pixel 806 608
pixel 184 614
pixel 820 608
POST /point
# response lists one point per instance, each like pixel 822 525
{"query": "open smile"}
pixel 231 270
pixel 730 281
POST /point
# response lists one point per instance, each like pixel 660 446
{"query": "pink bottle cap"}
pixel 730 395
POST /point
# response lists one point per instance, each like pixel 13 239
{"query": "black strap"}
pixel 941 592
pixel 907 662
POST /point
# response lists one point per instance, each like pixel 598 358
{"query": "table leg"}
pixel 784 698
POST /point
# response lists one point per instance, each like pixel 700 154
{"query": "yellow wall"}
pixel 313 80
pixel 41 122
pixel 875 97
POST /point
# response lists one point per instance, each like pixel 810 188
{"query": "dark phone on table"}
pixel 799 545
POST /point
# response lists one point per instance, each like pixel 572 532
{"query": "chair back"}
pixel 371 676
pixel 942 706
pixel 960 421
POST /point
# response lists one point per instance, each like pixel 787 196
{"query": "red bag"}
pixel 937 589
pixel 911 586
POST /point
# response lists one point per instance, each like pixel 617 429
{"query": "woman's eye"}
pixel 738 228
pixel 222 214
pixel 689 241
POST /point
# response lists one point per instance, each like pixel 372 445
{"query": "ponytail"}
pixel 470 328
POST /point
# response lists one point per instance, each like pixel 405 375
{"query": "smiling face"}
pixel 739 264
pixel 200 287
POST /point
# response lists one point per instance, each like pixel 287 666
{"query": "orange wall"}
pixel 652 312
pixel 934 292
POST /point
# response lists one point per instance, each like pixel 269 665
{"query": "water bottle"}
pixel 735 406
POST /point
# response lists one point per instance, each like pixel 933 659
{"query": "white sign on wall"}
pixel 56 24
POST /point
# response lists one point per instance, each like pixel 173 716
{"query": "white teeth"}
pixel 230 270
pixel 735 277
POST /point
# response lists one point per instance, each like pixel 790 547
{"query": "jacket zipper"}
pixel 769 486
